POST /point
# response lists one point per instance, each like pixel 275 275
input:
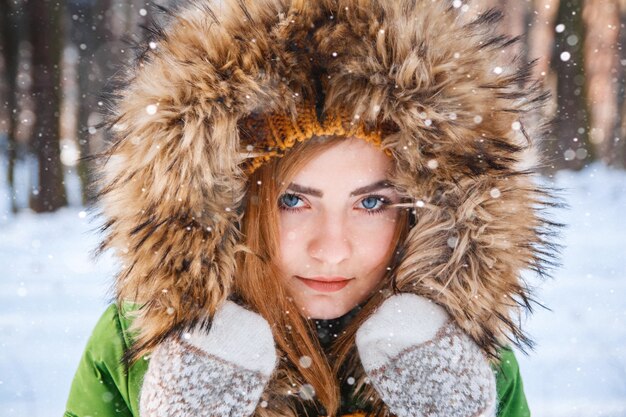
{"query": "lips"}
pixel 325 284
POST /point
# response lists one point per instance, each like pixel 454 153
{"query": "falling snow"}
pixel 151 109
pixel 306 362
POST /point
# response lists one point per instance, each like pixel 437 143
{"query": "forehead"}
pixel 351 162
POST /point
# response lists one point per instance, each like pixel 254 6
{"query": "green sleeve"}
pixel 512 401
pixel 102 386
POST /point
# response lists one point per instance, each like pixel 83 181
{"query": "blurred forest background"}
pixel 59 57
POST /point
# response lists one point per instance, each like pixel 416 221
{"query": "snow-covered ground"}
pixel 52 294
pixel 579 365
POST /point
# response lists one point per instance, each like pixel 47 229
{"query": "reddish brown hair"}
pixel 257 287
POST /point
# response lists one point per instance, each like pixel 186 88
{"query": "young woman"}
pixel 321 208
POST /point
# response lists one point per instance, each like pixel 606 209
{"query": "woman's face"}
pixel 336 230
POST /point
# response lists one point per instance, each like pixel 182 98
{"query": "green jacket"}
pixel 102 387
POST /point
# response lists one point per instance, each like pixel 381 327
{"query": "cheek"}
pixel 290 241
pixel 374 240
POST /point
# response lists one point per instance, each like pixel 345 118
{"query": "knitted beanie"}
pixel 270 135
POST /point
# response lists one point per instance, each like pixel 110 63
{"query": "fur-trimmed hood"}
pixel 172 184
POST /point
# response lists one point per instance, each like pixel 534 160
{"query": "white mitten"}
pixel 422 364
pixel 219 373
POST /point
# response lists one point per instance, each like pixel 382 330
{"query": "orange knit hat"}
pixel 271 135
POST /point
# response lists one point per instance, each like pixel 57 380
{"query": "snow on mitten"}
pixel 422 364
pixel 220 373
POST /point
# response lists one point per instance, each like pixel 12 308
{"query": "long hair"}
pixel 259 287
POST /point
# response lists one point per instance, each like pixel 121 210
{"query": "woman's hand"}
pixel 422 364
pixel 219 373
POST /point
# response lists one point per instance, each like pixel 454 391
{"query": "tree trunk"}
pixel 86 17
pixel 541 35
pixel 569 145
pixel 10 54
pixel 47 40
pixel 601 65
pixel 618 140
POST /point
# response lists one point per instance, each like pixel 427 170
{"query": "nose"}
pixel 330 243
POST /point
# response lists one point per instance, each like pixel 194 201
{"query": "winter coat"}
pixel 462 118
pixel 104 387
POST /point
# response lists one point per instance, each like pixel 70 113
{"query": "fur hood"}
pixel 172 183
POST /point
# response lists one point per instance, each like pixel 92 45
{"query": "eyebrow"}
pixel 359 191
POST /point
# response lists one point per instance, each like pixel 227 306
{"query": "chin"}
pixel 326 316
pixel 325 309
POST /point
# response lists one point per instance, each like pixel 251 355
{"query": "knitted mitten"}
pixel 422 364
pixel 219 373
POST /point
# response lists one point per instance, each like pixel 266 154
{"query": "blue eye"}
pixel 372 206
pixel 373 201
pixel 288 201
